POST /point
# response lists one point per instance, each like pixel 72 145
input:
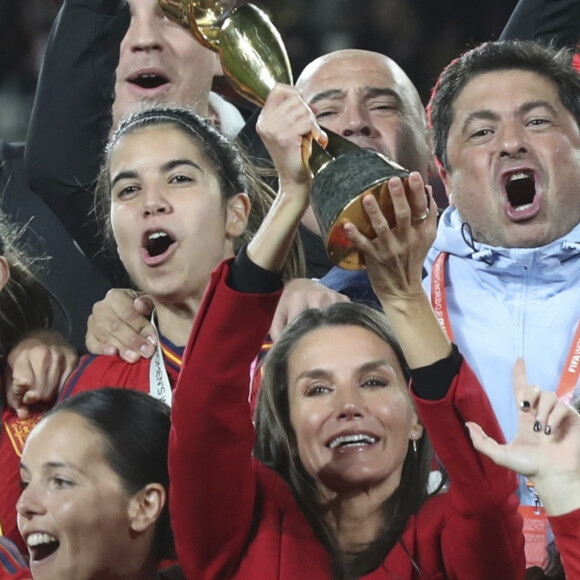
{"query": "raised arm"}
pixel 395 261
pixel 216 487
pixel 482 537
pixel 71 116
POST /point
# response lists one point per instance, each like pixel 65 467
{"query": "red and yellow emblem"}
pixel 18 431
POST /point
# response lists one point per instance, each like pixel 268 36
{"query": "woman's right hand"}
pixel 283 125
pixel 286 120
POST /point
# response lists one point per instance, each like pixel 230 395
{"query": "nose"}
pixel 357 122
pixel 29 503
pixel 144 34
pixel 154 203
pixel 349 404
pixel 512 140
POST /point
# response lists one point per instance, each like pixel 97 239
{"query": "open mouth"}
pixel 41 546
pixel 157 243
pixel 354 440
pixel 520 189
pixel 149 80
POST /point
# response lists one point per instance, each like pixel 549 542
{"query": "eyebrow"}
pixel 538 104
pixel 329 94
pixel 167 166
pixel 54 465
pixel 489 115
pixel 481 115
pixel 364 368
pixel 372 92
pixel 368 92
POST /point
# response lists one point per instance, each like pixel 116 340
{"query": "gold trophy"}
pixel 254 59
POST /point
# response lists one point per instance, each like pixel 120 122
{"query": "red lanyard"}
pixel 535 521
pixel 571 371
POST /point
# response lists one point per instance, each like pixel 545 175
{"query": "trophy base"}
pixel 336 197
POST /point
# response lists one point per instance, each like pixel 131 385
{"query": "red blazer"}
pixel 566 530
pixel 13 435
pixel 234 518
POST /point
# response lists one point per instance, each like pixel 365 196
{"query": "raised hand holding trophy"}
pixel 254 59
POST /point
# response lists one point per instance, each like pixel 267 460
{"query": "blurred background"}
pixel 421 35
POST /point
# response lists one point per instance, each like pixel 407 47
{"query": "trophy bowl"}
pixel 336 197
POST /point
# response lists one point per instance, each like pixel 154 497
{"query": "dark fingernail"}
pixel 548 430
pixel 525 405
pixel 537 426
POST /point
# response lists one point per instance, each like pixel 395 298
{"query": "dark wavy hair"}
pixel 554 65
pixel 24 303
pixel 135 431
pixel 235 173
pixel 276 444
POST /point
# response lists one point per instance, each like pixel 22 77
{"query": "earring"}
pixel 414 447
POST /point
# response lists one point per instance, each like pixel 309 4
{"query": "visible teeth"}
pixel 39 539
pixel 519 175
pixel 157 235
pixel 358 439
pixel 523 207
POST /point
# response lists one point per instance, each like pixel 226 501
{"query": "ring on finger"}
pixel 420 218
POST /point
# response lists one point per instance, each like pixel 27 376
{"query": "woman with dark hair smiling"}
pixel 337 487
pixel 95 483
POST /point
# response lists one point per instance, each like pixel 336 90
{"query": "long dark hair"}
pixel 24 302
pixel 135 431
pixel 277 448
pixel 235 173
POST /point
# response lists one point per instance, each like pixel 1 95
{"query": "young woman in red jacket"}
pixel 94 489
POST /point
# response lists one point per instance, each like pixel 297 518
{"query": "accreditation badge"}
pixel 535 534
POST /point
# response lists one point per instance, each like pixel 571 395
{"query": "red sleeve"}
pixel 213 485
pixel 12 564
pixel 86 372
pixel 566 530
pixel 97 371
pixel 483 536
